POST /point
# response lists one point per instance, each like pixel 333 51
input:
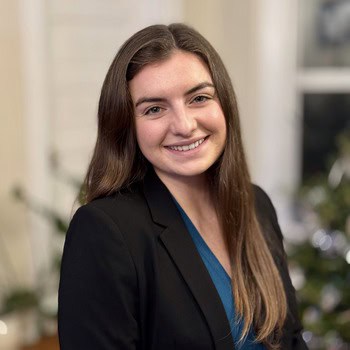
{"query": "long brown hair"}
pixel 117 163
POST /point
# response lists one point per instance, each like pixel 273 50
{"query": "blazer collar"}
pixel 183 251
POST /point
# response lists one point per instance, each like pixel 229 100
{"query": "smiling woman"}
pixel 175 248
pixel 180 126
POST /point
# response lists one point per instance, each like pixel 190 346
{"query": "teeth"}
pixel 187 147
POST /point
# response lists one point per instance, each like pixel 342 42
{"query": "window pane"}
pixel 325 33
pixel 325 117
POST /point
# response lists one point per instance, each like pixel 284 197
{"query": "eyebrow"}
pixel 161 99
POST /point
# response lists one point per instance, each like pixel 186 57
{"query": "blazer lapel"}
pixel 183 251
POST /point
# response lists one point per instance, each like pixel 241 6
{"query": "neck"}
pixel 192 193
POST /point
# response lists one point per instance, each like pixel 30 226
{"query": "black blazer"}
pixel 132 278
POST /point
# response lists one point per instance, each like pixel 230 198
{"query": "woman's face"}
pixel 180 126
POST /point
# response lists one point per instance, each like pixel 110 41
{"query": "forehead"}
pixel 182 70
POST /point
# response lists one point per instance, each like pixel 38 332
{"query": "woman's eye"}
pixel 200 99
pixel 153 110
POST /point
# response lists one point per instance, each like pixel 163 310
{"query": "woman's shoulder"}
pixel 118 204
pixel 264 207
pixel 262 200
pixel 267 217
pixel 125 213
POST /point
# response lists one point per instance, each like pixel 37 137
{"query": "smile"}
pixel 189 147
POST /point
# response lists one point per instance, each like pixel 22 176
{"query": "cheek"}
pixel 140 131
pixel 222 121
pixel 148 134
pixel 218 121
pixel 220 124
pixel 141 137
pixel 224 127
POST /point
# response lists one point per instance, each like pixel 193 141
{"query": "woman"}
pixel 175 249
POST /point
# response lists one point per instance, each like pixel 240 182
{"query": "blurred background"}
pixel 290 65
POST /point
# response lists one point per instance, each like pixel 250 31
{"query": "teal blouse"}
pixel 222 282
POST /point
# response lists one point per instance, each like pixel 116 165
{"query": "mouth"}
pixel 189 147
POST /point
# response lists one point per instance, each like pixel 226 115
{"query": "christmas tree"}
pixel 322 263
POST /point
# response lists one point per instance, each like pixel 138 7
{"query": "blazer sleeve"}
pixel 292 331
pixel 98 286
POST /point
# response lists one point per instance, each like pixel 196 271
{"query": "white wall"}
pixel 14 241
pixel 278 144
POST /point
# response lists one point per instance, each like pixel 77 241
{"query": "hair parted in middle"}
pixel 117 163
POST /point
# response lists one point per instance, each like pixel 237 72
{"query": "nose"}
pixel 183 122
